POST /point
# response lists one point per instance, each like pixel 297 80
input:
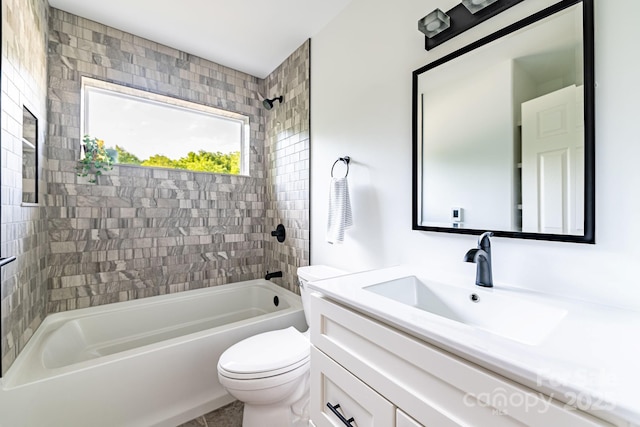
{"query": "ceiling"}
pixel 254 36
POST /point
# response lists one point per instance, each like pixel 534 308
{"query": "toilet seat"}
pixel 265 355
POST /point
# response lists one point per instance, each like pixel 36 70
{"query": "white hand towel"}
pixel 340 217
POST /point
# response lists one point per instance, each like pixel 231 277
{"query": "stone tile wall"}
pixel 287 154
pixel 138 232
pixel 23 228
pixel 141 232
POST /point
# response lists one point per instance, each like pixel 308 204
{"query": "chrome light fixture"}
pixel 460 18
pixel 434 23
pixel 474 6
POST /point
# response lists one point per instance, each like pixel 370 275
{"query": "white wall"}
pixel 361 107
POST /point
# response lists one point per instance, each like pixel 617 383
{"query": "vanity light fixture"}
pixel 439 26
pixel 434 23
pixel 474 6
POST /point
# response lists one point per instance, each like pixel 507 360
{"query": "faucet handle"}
pixel 484 236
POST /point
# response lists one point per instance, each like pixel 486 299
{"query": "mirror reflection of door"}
pixel 553 163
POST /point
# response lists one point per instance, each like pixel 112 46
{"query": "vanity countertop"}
pixel 589 360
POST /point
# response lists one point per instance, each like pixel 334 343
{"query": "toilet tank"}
pixel 311 273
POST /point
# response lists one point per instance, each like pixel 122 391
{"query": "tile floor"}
pixel 227 416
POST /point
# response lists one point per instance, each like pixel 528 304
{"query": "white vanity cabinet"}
pixel 383 377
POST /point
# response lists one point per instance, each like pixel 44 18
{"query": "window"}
pixel 29 157
pixel 148 129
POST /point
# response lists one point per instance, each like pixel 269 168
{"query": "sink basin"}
pixel 510 316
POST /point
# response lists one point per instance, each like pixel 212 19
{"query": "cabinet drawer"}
pixel 332 384
pixel 432 386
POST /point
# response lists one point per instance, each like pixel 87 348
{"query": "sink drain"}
pixel 474 297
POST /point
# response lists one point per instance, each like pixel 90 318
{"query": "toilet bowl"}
pixel 269 372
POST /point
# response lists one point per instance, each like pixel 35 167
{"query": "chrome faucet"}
pixel 482 258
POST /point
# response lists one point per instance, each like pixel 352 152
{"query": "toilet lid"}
pixel 266 352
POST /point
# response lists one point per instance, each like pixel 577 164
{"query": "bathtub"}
pixel 149 362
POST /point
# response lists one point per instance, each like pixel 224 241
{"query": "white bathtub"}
pixel 149 362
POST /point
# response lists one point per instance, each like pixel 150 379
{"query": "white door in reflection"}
pixel 553 163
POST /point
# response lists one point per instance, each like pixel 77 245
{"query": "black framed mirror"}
pixel 504 132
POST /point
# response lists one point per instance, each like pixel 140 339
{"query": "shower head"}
pixel 268 103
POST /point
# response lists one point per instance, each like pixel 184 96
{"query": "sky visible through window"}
pixel 146 128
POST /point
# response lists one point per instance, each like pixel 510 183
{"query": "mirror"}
pixel 503 132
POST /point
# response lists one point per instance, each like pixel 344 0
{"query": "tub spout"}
pixel 270 276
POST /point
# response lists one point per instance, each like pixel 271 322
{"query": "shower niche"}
pixel 29 157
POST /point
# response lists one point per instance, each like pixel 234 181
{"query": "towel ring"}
pixel 345 160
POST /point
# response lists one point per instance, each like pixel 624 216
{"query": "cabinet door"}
pixel 332 385
pixel 404 420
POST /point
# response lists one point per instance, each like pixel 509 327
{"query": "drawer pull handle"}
pixel 334 409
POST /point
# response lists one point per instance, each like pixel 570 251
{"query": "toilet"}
pixel 269 372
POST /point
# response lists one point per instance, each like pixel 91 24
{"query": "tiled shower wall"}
pixel 141 232
pixel 24 232
pixel 137 232
pixel 156 231
pixel 287 153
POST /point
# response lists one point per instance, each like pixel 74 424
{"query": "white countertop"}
pixel 590 360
